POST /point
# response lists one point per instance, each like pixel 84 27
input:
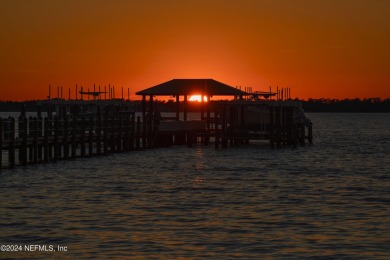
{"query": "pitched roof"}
pixel 190 87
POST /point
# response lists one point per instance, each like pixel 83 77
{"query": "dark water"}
pixel 328 200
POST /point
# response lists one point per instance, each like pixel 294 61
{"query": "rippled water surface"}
pixel 331 199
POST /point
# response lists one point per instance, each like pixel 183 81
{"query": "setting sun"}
pixel 198 98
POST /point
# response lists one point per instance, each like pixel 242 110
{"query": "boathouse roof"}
pixel 191 86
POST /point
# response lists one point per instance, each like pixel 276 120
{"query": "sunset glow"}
pixel 319 49
pixel 198 98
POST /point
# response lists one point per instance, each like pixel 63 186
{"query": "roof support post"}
pixel 177 107
pixel 143 121
pixel 150 121
pixel 151 104
pixel 202 106
pixel 208 112
pixel 185 107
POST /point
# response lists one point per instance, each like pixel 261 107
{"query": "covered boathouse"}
pixel 245 117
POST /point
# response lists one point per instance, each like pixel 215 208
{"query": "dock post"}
pixel 90 137
pixel 292 127
pixel 1 143
pixel 278 126
pixel 151 123
pixel 11 151
pixel 283 135
pixel 287 125
pixel 99 131
pixel 74 136
pixel 20 133
pixel 112 132
pixel 60 138
pixel 271 125
pixel 223 128
pixel 177 107
pixel 105 135
pixel 30 147
pixel 82 139
pixel 35 143
pixel 46 140
pixel 65 140
pixel 132 129
pixel 120 133
pixel 185 107
pixel 56 134
pixel 40 134
pixel 216 128
pixel 23 148
pixel 206 139
pixel 126 139
pixel 50 133
pixel 137 136
pixel 144 121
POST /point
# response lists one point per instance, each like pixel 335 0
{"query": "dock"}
pixel 69 131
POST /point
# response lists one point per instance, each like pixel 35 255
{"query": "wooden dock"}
pixel 239 122
pixel 38 140
pixel 34 140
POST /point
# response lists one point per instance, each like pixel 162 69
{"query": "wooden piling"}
pixel 112 134
pixel 24 135
pixel 40 134
pixel 120 134
pixel 55 141
pixel 132 129
pixel 90 137
pixel 99 131
pixel 50 134
pixel 137 135
pixel 82 138
pixel 271 126
pixel 126 137
pixel 74 136
pixel 1 143
pixel 224 128
pixel 46 140
pixel 30 146
pixel 105 135
pixel 35 142
pixel 144 121
pixel 278 137
pixel 65 138
pixel 216 128
pixel 11 149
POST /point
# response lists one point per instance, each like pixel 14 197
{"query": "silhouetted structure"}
pixel 78 128
pixel 237 121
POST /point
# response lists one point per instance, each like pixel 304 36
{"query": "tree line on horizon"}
pixel 367 105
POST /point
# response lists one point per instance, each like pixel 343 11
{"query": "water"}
pixel 328 200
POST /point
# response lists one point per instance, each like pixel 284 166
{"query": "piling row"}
pixel 232 124
pixel 273 121
pixel 38 140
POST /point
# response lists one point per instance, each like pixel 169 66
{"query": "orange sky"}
pixel 330 49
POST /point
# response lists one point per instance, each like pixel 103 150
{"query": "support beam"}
pixel 185 107
pixel 177 107
pixel 143 121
